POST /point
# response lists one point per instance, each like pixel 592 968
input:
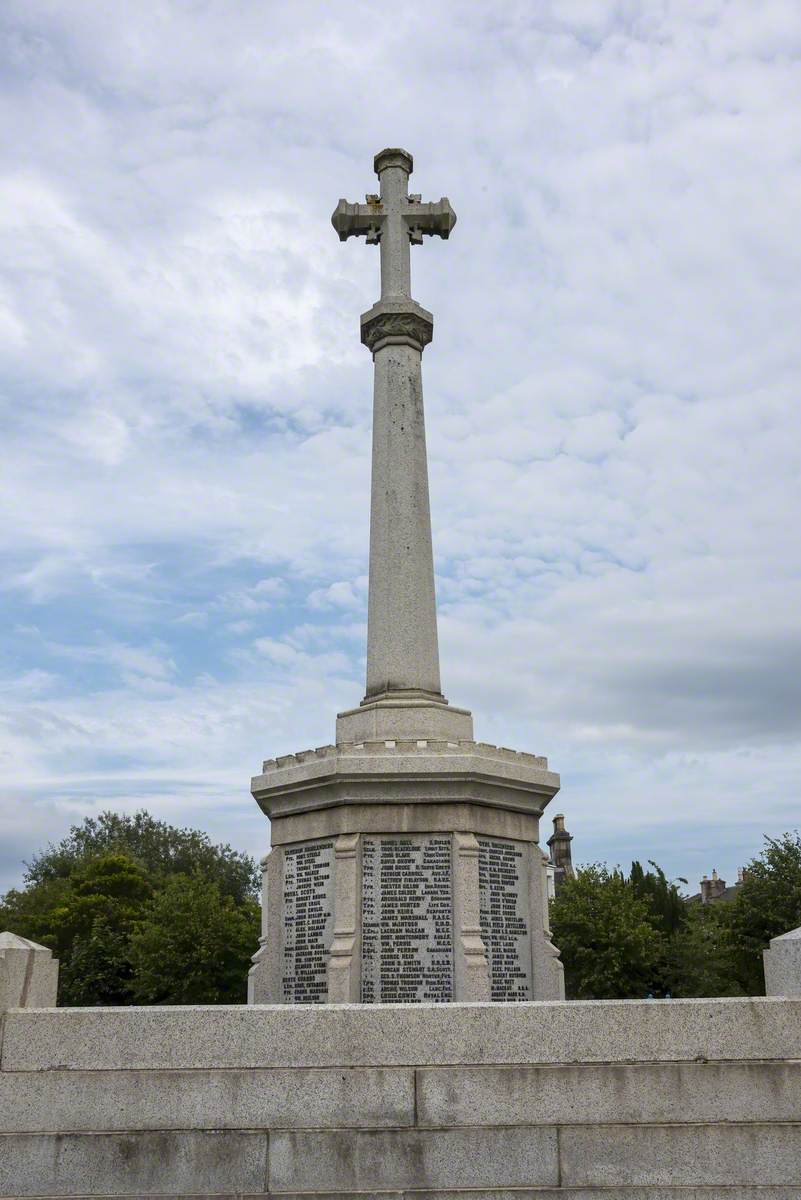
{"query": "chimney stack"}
pixel 712 889
pixel 561 855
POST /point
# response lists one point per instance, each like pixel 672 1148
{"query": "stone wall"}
pixel 646 1100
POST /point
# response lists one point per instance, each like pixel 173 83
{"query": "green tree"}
pixel 161 849
pixel 701 955
pixel 768 903
pixel 89 897
pixel 668 906
pixel 86 919
pixel 193 945
pixel 605 932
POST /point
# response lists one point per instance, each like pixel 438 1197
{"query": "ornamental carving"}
pixel 397 325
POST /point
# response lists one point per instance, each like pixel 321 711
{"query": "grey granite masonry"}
pixel 405 862
pixel 782 962
pixel 28 973
pixel 658 1100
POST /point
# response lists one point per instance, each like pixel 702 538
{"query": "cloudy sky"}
pixel 612 400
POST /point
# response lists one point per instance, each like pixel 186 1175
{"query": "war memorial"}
pixel 406 1032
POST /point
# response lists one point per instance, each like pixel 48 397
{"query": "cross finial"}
pixel 394 219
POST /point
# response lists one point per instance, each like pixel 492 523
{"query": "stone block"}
pixel 167 1163
pixel 400 719
pixel 679 1155
pixel 568 1193
pixel 348 1160
pixel 402 1035
pixel 73 1101
pixel 782 961
pixel 619 1093
pixel 396 771
pixel 404 818
pixel 30 975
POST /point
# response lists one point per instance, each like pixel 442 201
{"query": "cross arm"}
pixel 357 220
pixel 435 218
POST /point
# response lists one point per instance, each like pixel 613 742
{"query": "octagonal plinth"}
pixel 405 871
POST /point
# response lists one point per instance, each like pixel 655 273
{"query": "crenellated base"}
pixel 405 871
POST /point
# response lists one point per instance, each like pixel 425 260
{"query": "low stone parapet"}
pixel 651 1100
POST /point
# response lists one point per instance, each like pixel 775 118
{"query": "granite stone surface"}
pixel 402 1035
pixel 675 1155
pixel 167 1163
pixel 28 973
pixel 674 1100
pixel 782 961
pixel 627 1093
pixel 74 1101
pixel 456 1158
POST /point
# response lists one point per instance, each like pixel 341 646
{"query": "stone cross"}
pixel 394 220
pixel 404 865
pixel 402 647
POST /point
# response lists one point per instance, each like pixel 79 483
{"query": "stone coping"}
pixel 422 771
pixel 402 1035
pixel 388 752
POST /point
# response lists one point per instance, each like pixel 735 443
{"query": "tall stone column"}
pixel 405 865
pixel 403 696
pixel 402 651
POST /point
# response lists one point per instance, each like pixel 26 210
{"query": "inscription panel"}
pixel 308 921
pixel 503 883
pixel 407 920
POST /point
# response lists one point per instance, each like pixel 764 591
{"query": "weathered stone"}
pixel 675 1155
pixel 405 749
pixel 590 1031
pixel 343 965
pixel 472 981
pixel 548 974
pixel 782 961
pixel 28 974
pixel 660 1100
pixel 580 1193
pixel 74 1101
pixel 167 1163
pixel 474 819
pixel 265 976
pixel 625 1093
pixel 351 1160
pixel 397 323
pixel 403 718
pixel 405 772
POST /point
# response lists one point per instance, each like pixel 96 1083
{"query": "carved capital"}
pixel 393 157
pixel 406 323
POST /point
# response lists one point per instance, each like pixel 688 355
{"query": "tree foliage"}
pixel 610 945
pixel 195 946
pixel 139 911
pixel 665 901
pixel 768 904
pixel 160 849
pixel 701 954
pixel 636 935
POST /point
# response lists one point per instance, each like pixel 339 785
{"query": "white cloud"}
pixel 612 399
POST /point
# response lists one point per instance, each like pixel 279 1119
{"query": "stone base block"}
pixel 782 963
pixel 166 1163
pixel 399 719
pixel 28 974
pixel 349 1161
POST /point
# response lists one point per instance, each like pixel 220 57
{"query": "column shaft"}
pixel 402 650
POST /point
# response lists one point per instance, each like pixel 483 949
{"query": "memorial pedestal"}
pixel 405 864
pixel 405 871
